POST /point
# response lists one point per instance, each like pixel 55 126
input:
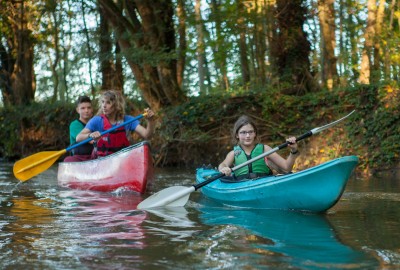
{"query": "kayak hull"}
pixel 315 189
pixel 130 168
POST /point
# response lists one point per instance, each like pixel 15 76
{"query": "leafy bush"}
pixel 37 127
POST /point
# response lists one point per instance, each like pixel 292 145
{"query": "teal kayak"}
pixel 315 189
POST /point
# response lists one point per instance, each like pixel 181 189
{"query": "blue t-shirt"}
pixel 96 124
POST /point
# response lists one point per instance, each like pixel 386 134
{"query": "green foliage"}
pixel 372 132
pixel 39 126
pixel 198 131
pixel 9 130
pixel 289 110
pixel 378 123
pixel 204 111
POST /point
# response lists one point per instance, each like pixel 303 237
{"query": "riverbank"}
pixel 198 132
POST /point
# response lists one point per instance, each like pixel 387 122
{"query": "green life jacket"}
pixel 256 167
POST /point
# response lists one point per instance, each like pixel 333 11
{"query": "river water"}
pixel 43 226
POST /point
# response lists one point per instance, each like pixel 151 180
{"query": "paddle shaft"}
pixel 105 132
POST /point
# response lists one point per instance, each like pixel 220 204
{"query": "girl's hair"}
pixel 117 101
pixel 242 121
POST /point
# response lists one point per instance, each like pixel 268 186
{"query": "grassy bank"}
pixel 198 131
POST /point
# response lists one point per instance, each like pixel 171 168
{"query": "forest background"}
pixel 290 64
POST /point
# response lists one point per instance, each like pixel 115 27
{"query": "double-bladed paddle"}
pixel 31 166
pixel 179 195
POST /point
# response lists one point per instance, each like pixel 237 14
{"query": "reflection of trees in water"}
pixel 26 220
pixel 370 221
pixel 75 227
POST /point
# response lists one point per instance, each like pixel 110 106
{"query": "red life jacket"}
pixel 113 141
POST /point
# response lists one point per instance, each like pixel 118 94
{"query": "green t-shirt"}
pixel 75 128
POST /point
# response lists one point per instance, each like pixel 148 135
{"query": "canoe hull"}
pixel 315 189
pixel 130 168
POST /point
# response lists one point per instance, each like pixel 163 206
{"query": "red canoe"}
pixel 130 168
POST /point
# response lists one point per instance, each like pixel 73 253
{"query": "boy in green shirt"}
pixel 85 110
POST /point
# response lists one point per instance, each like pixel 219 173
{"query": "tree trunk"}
pixel 105 45
pixel 66 48
pixel 201 61
pixel 352 43
pixel 56 43
pixel 244 62
pixel 291 49
pixel 7 64
pixel 376 74
pixel 326 13
pixel 22 80
pixel 270 26
pixel 89 48
pixel 148 44
pixel 341 62
pixel 182 41
pixel 111 72
pixel 260 39
pixel 119 69
pixel 220 56
pixel 369 35
pixel 387 60
pixel 22 75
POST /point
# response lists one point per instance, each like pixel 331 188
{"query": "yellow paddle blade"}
pixel 31 166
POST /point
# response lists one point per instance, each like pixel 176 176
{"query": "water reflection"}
pixel 370 221
pixel 105 216
pixel 45 227
pixel 173 222
pixel 25 221
pixel 30 219
pixel 305 240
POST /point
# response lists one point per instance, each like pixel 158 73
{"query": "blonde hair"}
pixel 117 101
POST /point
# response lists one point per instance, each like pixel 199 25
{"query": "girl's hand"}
pixel 226 170
pixel 292 144
pixel 95 135
pixel 149 113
